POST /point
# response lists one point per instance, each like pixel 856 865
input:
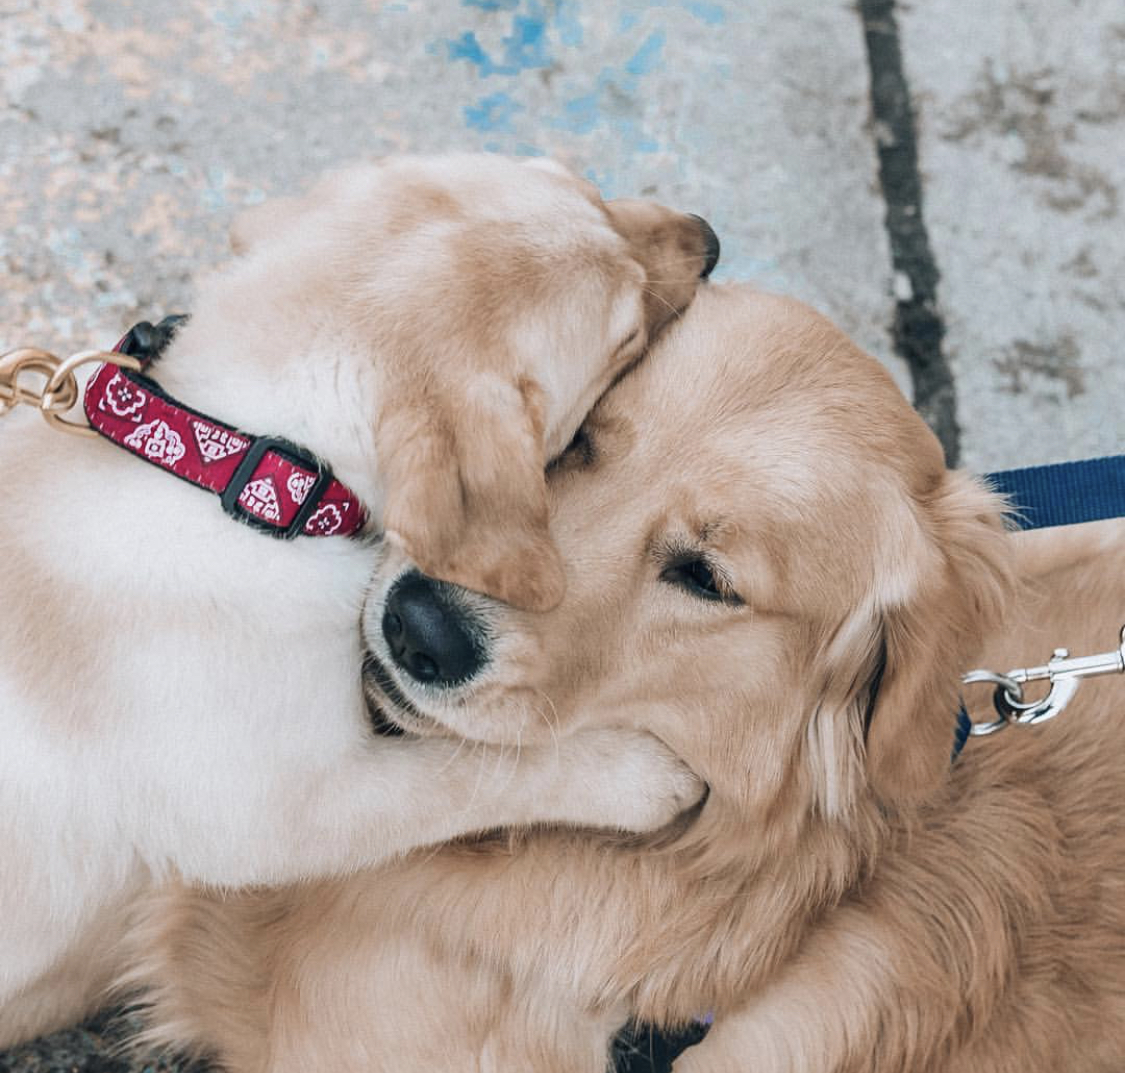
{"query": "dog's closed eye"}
pixel 694 574
pixel 578 454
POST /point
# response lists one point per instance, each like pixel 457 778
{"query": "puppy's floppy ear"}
pixel 929 633
pixel 466 494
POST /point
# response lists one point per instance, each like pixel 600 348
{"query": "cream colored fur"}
pixel 846 900
pixel 178 692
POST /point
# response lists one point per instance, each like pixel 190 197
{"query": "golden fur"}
pixel 845 900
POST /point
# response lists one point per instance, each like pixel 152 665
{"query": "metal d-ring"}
pixel 1005 687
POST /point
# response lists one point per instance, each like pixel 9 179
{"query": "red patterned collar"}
pixel 266 482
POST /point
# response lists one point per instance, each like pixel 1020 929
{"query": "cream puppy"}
pixel 177 690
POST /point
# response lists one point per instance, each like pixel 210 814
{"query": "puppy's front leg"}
pixel 394 796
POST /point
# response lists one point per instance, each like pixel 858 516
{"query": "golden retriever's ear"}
pixel 466 494
pixel 930 632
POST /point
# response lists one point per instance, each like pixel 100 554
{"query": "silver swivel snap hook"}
pixel 1064 674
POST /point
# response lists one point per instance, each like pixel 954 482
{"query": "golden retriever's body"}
pixel 846 900
pixel 180 691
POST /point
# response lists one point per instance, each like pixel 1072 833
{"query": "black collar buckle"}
pixel 244 474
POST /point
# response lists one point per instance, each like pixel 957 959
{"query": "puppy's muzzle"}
pixel 711 246
pixel 429 636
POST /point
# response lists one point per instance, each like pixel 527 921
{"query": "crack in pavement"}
pixel 918 326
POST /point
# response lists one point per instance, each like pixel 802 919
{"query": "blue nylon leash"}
pixel 1066 493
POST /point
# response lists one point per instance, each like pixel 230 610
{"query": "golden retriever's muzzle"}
pixel 428 638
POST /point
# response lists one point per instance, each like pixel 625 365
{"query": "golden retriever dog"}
pixel 177 691
pixel 770 568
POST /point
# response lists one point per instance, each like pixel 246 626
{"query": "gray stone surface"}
pixel 135 132
pixel 132 132
pixel 1021 118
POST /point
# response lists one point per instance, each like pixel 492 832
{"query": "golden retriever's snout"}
pixel 429 637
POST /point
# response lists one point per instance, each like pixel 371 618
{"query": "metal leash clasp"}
pixel 54 391
pixel 1064 674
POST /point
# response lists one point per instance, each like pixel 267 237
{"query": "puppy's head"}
pixel 480 306
pixel 768 566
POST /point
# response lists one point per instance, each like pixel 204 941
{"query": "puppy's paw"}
pixel 626 779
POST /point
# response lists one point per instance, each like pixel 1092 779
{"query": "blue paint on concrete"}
pixel 647 58
pixel 631 136
pixel 569 23
pixel 467 47
pixel 614 103
pixel 580 115
pixel 492 113
pixel 525 47
pixel 609 106
pixel 711 14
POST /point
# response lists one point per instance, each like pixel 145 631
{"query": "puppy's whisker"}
pixel 519 754
pixel 552 724
pixel 501 753
pixel 478 754
pixel 453 758
pixel 674 311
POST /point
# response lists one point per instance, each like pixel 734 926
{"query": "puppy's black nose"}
pixel 429 636
pixel 711 246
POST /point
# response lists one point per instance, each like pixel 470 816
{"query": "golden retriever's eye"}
pixel 699 578
pixel 578 453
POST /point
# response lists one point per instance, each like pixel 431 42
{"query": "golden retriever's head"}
pixel 467 311
pixel 768 566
